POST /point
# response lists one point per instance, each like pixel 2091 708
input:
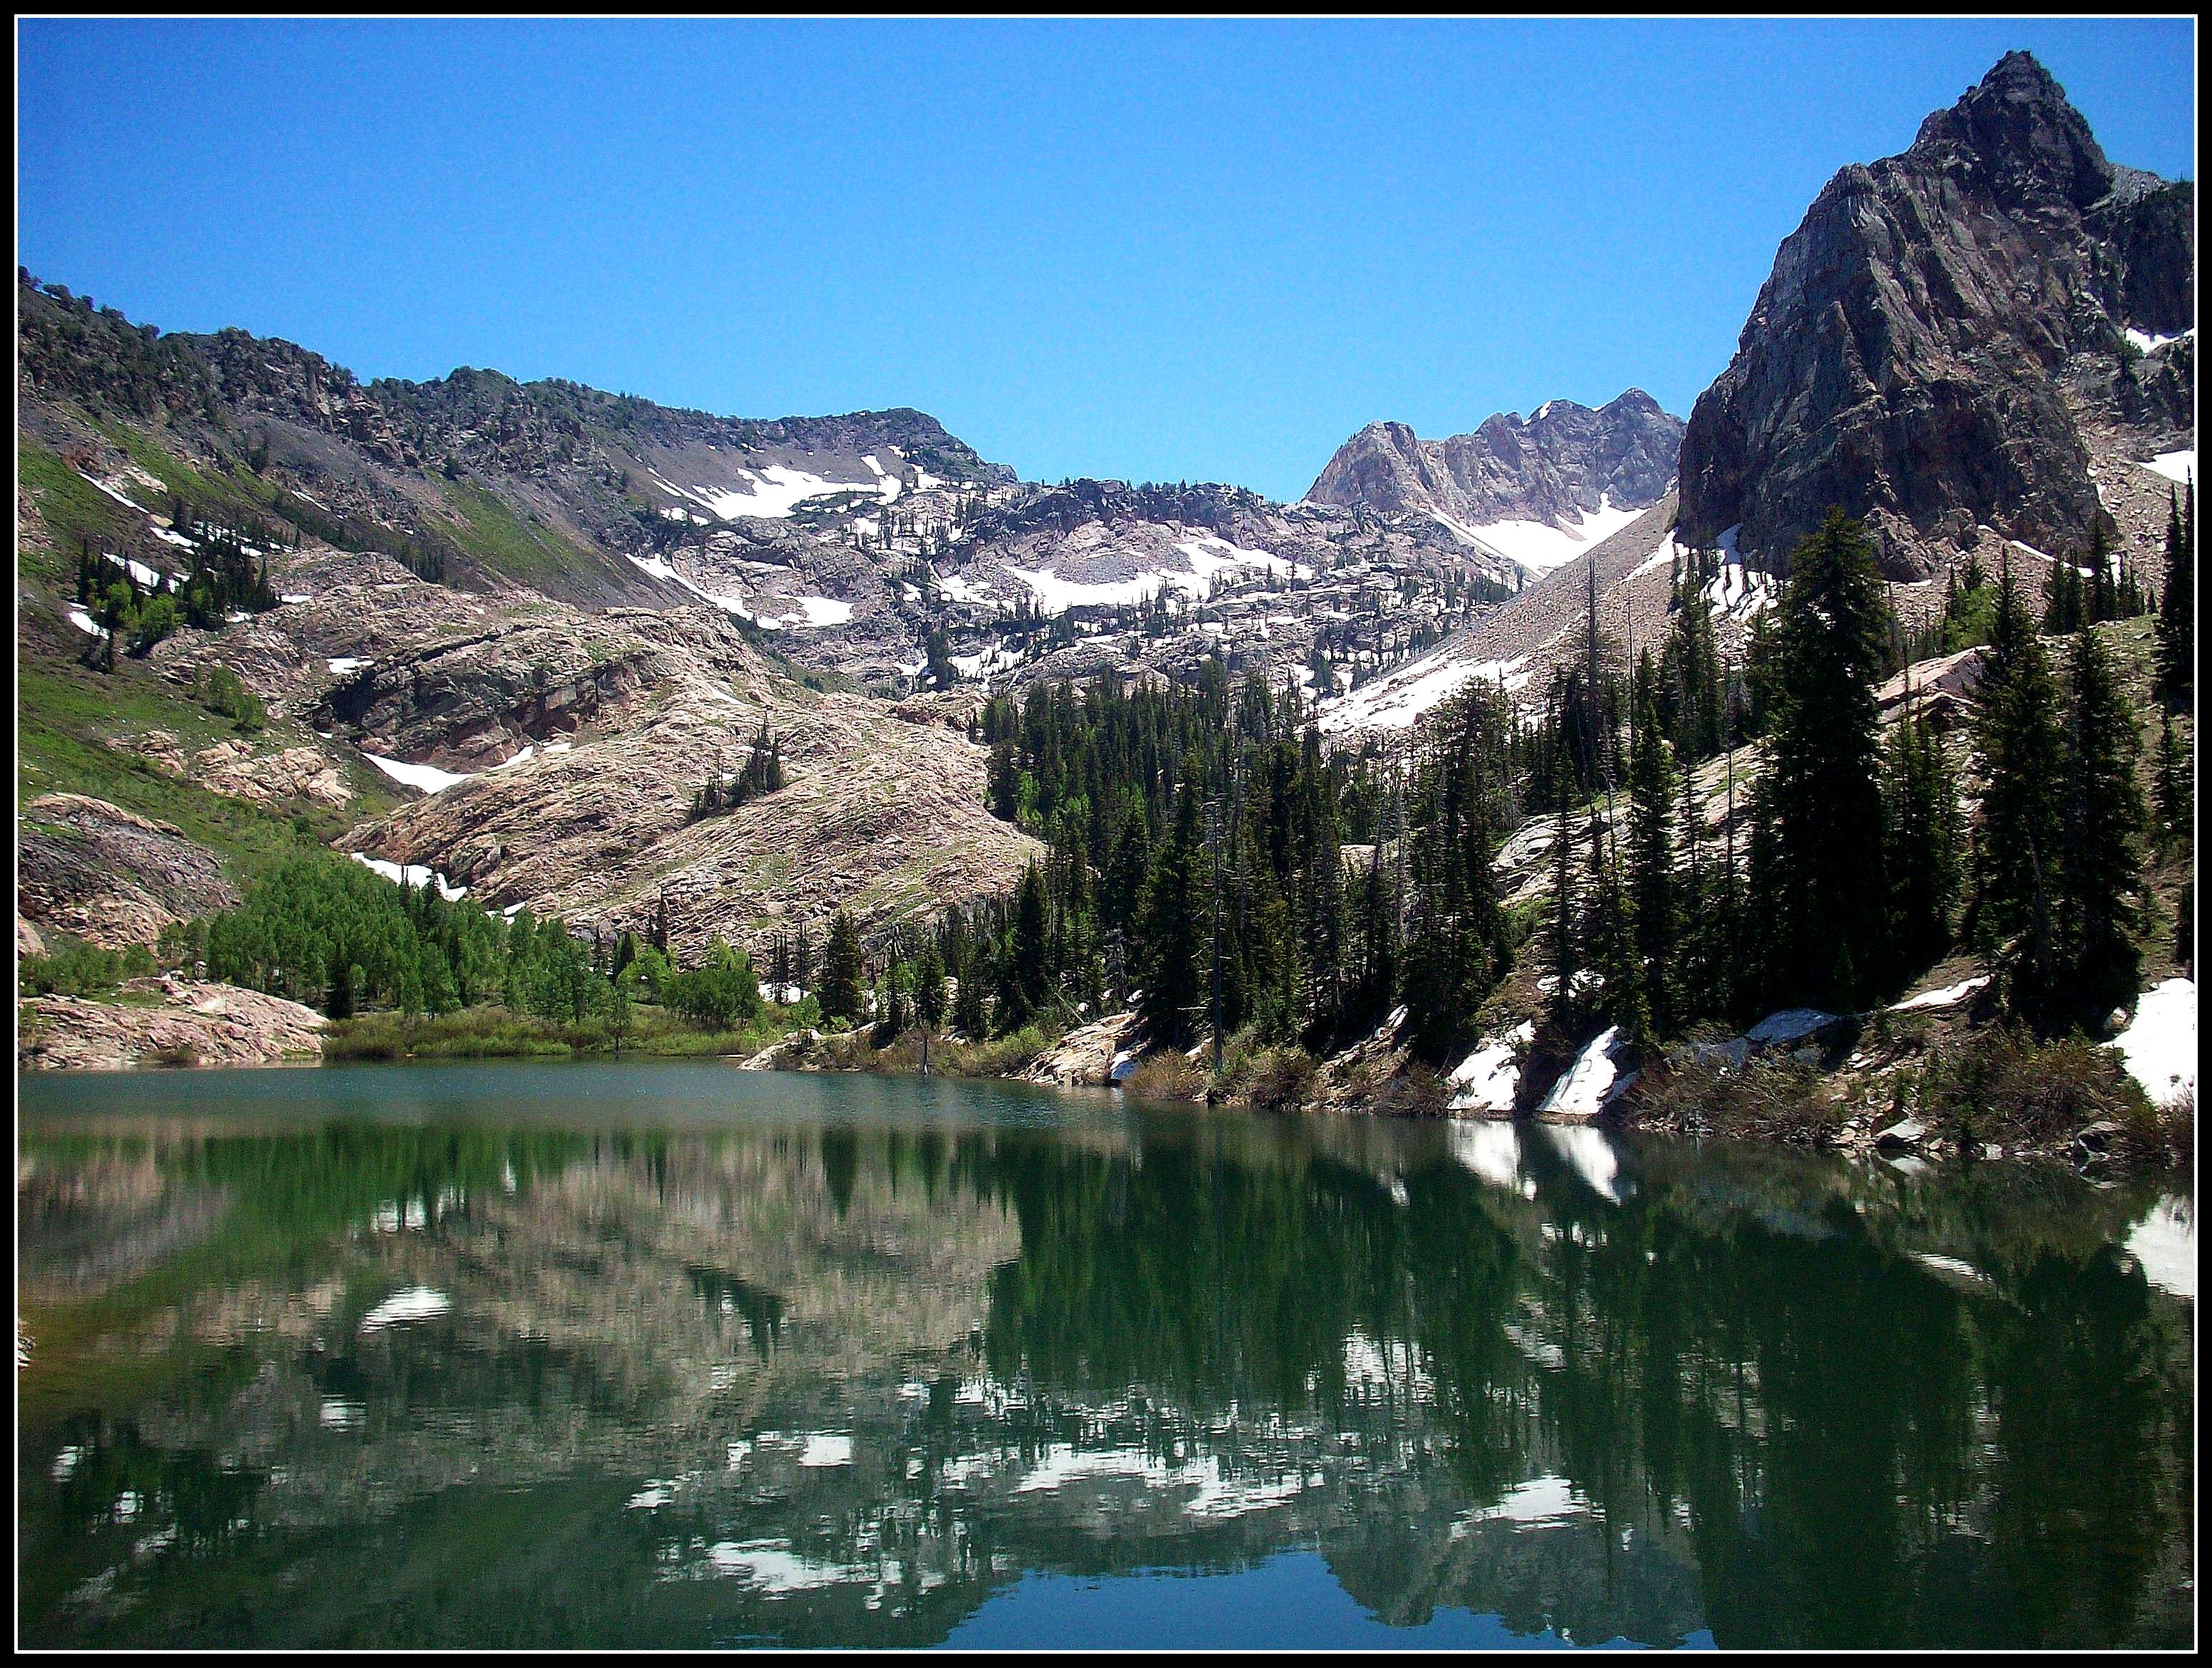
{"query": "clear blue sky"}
pixel 1183 250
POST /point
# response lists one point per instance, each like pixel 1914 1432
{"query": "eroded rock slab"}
pixel 109 876
pixel 190 1024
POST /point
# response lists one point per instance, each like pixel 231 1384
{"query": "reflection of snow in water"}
pixel 1540 1499
pixel 1218 1494
pixel 1589 1154
pixel 774 1569
pixel 2165 1243
pixel 416 1303
pixel 1949 1265
pixel 1489 1147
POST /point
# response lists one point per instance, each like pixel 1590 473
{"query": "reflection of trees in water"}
pixel 1713 1388
pixel 1867 1451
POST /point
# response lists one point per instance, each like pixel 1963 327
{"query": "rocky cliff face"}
pixel 108 876
pixel 1938 334
pixel 1566 462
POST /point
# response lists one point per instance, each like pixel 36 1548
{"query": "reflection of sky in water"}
pixel 1291 1600
pixel 1116 1380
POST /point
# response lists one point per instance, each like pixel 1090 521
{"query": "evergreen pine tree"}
pixel 1823 896
pixel 1169 940
pixel 1026 987
pixel 1921 839
pixel 2176 604
pixel 929 986
pixel 2017 831
pixel 841 978
pixel 2176 798
pixel 2100 862
pixel 1651 882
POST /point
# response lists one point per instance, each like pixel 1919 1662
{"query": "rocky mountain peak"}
pixel 1943 331
pixel 2017 125
pixel 1560 465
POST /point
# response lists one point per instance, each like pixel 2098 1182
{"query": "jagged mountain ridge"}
pixel 1558 468
pixel 1947 335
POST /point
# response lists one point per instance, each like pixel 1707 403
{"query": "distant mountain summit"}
pixel 1951 335
pixel 1568 472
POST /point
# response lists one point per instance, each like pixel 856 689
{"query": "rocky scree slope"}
pixel 1944 338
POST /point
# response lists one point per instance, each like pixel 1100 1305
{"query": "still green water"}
pixel 677 1355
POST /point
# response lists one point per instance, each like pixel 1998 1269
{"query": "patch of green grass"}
pixel 66 717
pixel 71 508
pixel 499 538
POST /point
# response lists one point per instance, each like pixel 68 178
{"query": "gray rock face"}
pixel 1935 334
pixel 109 876
pixel 1555 467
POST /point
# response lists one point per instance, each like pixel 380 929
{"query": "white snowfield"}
pixel 1581 1091
pixel 428 777
pixel 807 614
pixel 115 495
pixel 1539 546
pixel 1210 556
pixel 2149 344
pixel 2159 1047
pixel 1792 1024
pixel 1949 996
pixel 411 874
pixel 151 578
pixel 2179 467
pixel 777 490
pixel 799 613
pixel 84 622
pixel 660 568
pixel 1487 1079
pixel 1399 700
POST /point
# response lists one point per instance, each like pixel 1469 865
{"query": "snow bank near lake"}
pixel 2160 1048
pixel 1487 1079
pixel 1582 1090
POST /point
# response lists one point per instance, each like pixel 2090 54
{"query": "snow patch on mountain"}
pixel 428 777
pixel 1538 546
pixel 1400 699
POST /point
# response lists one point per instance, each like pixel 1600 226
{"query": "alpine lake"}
pixel 657 1355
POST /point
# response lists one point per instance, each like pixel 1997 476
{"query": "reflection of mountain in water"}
pixel 837 1385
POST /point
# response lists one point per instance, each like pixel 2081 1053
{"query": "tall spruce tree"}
pixel 1025 987
pixel 1652 886
pixel 1170 947
pixel 2018 829
pixel 1921 839
pixel 2100 857
pixel 1823 890
pixel 842 979
pixel 2177 603
pixel 1455 945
